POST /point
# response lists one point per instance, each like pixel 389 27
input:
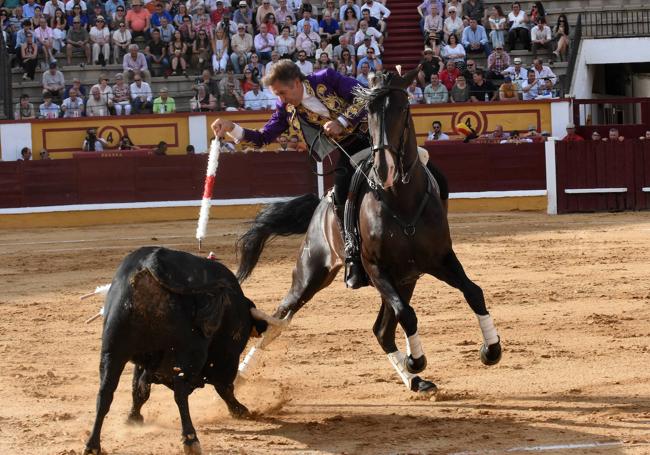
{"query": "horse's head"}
pixel 390 125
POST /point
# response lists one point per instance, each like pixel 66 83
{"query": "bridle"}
pixel 399 151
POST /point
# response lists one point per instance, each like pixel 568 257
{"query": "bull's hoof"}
pixel 89 451
pixel 191 445
pixel 491 355
pixel 239 411
pixel 422 386
pixel 135 419
pixel 415 366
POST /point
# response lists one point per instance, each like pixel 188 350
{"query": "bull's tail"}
pixel 282 218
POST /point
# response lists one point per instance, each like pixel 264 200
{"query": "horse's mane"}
pixel 366 96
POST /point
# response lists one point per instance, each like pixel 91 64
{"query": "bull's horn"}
pixel 261 315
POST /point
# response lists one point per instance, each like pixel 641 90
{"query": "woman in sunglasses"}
pixel 77 13
pixel 561 37
pixel 100 40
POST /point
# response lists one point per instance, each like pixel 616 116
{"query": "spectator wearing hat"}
pixel 164 104
pixel 121 96
pixel 516 72
pixel 474 38
pixel 138 19
pixel 453 24
pixel 244 16
pixel 100 39
pixel 77 39
pixel 429 65
pixel 571 135
pixel 508 91
pixel 53 81
pixel 218 13
pixel 540 37
pixel 497 62
pixel 242 45
pixel 135 63
pixel 48 109
pixel 435 92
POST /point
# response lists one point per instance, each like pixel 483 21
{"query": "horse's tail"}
pixel 281 218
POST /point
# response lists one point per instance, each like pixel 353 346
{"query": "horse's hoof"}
pixel 491 355
pixel 415 366
pixel 420 385
pixel 239 411
pixel 191 445
pixel 89 451
pixel 135 419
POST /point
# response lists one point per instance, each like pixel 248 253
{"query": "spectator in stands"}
pixel 248 81
pixel 119 16
pixel 254 99
pixel 242 45
pixel 264 43
pixel 543 72
pixel 285 45
pixel 470 69
pixel 48 109
pixel 96 12
pixel 362 74
pixel 571 135
pixel 348 61
pixel 224 81
pixel 518 29
pixel 29 56
pixel 25 154
pixel 111 7
pixel 497 62
pixel 121 96
pixel 220 57
pixel 305 65
pixel 376 38
pixel 105 90
pixel 77 39
pixel 138 20
pixel 546 89
pixel 517 73
pixel 50 7
pixel 158 15
pixel 367 44
pixel 373 22
pixel 414 93
pixel 164 104
pixel 474 38
pixel 97 105
pixel 161 149
pixel 29 9
pixel 121 42
pixel 140 94
pixel 530 87
pixel 481 89
pixel 293 30
pixel 344 44
pixel 377 9
pixel 211 85
pixel 232 100
pixel 244 16
pixel 350 24
pixel 44 38
pixel 156 52
pixel 433 25
pixel 646 136
pixel 540 37
pixel 262 10
pixel 73 106
pixel 76 84
pixel 283 143
pixel 435 92
pixel 135 64
pixel 453 51
pixel 53 81
pixel 256 68
pixel 331 8
pixel 166 31
pixel 307 40
pixel 324 62
pixel 126 144
pixel 436 133
pixel 100 39
pixel 203 100
pixel 283 11
pixel 508 91
pixel 78 14
pixel 473 9
pixel 449 74
pixel 595 136
pixel 24 109
pixel 190 149
pixel 497 25
pixel 374 63
pixel 219 12
pixel 536 13
pixel 514 138
pixel 561 38
pixel 307 13
pixel 44 155
pixel 614 135
pixel 497 136
pixel 460 91
pixel 453 24
pixel 349 4
pixel 330 28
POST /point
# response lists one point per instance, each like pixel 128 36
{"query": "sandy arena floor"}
pixel 570 295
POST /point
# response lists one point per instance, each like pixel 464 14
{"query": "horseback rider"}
pixel 323 100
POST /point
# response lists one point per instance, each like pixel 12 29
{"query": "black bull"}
pixel 184 321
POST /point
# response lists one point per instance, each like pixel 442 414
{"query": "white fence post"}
pixel 551 177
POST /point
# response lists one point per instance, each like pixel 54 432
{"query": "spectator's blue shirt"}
pixel 239 18
pixel 301 24
pixel 471 36
pixel 28 10
pixel 363 79
pixel 371 63
pixel 20 38
pixel 331 28
pixel 155 18
pixel 111 7
pixel 83 18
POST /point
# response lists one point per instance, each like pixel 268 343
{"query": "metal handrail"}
pixel 573 54
pixel 621 23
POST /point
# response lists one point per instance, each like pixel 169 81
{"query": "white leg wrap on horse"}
pixel 489 330
pixel 249 361
pixel 398 360
pixel 414 346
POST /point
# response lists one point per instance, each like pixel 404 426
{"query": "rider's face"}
pixel 290 93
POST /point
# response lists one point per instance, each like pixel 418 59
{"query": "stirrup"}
pixel 355 276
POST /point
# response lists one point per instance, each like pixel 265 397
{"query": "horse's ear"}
pixel 405 81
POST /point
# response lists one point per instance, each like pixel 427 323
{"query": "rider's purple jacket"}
pixel 332 89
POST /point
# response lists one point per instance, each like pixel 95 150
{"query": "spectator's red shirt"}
pixel 572 138
pixel 138 20
pixel 217 15
pixel 448 79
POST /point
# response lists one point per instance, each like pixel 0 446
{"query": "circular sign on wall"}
pixel 111 135
pixel 469 118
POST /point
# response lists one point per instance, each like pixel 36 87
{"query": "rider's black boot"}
pixel 355 276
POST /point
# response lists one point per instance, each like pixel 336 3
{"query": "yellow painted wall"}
pixel 60 137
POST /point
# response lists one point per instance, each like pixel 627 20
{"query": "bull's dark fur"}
pixel 282 218
pixel 184 321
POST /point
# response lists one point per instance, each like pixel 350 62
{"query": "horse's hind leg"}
pixel 451 272
pixel 384 330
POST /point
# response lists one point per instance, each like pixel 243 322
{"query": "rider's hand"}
pixel 221 126
pixel 333 128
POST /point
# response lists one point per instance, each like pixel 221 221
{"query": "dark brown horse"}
pixel 404 234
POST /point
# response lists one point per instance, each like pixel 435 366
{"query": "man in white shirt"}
pixel 71 3
pixel 362 51
pixel 73 106
pixel 140 95
pixel 540 37
pixel 437 134
pixel 254 99
pixel 516 72
pixel 306 68
pixel 264 43
pixel 365 31
pixel 543 72
pixel 51 6
pixel 308 41
pixel 530 87
pixel 377 10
